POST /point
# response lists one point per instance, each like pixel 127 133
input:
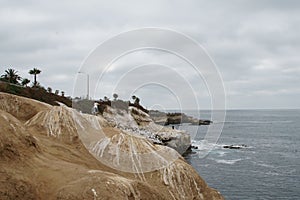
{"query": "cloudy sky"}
pixel 254 44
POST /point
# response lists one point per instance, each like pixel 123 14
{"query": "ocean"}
pixel 267 166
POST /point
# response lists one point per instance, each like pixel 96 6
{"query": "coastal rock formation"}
pixel 175 118
pixel 59 153
pixel 138 122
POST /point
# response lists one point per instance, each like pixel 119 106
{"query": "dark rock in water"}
pixel 190 151
pixel 201 122
pixel 231 147
pixel 204 122
pixel 234 146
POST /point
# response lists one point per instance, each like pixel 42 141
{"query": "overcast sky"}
pixel 255 45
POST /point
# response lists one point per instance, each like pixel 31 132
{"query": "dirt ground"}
pixel 36 165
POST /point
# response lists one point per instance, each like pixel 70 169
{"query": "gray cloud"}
pixel 255 44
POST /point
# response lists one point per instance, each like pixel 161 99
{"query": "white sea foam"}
pixel 204 145
pixel 221 153
pixel 228 162
pixel 265 165
pixel 270 173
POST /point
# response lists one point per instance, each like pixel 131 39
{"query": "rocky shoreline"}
pixel 163 118
pixel 56 152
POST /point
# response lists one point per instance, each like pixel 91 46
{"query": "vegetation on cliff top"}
pixel 11 82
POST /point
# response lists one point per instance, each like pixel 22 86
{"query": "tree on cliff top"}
pixel 115 95
pixel 25 81
pixel 34 72
pixel 11 76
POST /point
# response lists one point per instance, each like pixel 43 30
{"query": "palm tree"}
pixel 115 95
pixel 34 72
pixel 11 76
pixel 25 81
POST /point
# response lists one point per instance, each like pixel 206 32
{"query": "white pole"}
pixel 87 84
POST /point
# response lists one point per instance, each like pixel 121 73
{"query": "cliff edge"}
pixel 55 152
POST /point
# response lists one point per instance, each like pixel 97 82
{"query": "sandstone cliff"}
pixel 54 152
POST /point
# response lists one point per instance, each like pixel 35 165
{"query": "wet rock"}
pixel 234 146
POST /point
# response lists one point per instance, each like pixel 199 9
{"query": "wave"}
pixel 205 145
pixel 264 165
pixel 228 162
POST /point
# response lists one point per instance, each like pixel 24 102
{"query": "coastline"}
pixel 45 144
pixel 172 118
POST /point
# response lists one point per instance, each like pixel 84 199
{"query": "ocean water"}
pixel 267 168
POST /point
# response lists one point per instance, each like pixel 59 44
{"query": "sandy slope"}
pixel 43 157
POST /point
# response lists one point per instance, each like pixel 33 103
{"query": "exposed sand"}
pixel 46 159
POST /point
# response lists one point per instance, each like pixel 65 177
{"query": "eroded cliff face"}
pixel 138 122
pixel 58 153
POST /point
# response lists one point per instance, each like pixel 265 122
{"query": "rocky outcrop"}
pixel 61 154
pixel 175 118
pixel 138 122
